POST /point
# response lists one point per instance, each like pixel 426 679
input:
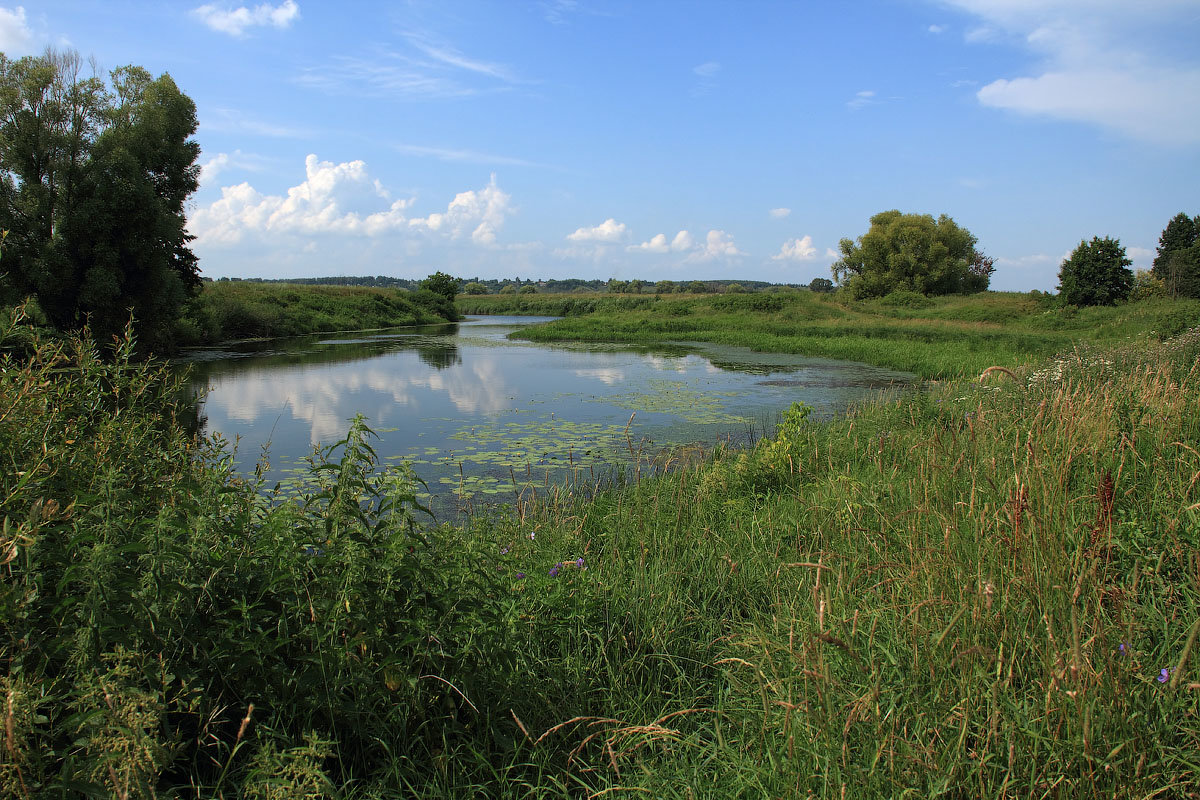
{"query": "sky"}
pixel 659 140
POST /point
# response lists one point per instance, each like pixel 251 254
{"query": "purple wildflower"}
pixel 503 551
pixel 1164 675
pixel 579 562
pixel 531 535
pixel 554 572
pixel 1122 648
pixel 520 576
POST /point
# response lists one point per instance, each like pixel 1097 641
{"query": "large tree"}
pixel 1096 274
pixel 911 252
pixel 94 176
pixel 1177 263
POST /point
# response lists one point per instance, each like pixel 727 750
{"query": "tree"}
pixel 735 288
pixel 821 285
pixel 1177 263
pixel 528 288
pixel 93 182
pixel 1096 274
pixel 475 287
pixel 441 283
pixel 910 252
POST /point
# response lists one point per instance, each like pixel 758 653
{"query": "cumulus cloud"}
pixel 15 36
pixel 681 243
pixel 796 250
pixel 1101 62
pixel 235 21
pixel 482 212
pixel 341 199
pixel 606 232
pixel 716 245
pixel 937 29
pixel 779 213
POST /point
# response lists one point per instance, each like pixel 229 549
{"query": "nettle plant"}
pixel 783 453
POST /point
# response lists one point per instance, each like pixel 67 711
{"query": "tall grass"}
pixel 242 310
pixel 986 589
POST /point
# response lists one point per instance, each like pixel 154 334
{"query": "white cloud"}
pixel 482 212
pixel 1143 104
pixel 681 243
pixel 708 69
pixel 860 99
pixel 1142 257
pixel 608 231
pixel 235 21
pixel 717 244
pixel 796 250
pixel 937 29
pixel 15 36
pixel 228 120
pixel 223 162
pixel 656 245
pixel 779 213
pixel 1102 62
pixel 341 199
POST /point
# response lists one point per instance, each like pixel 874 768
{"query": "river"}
pixel 483 418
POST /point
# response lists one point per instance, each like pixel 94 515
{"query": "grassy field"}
pixel 244 310
pixel 984 589
pixel 934 338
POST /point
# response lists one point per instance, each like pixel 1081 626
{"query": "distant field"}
pixel 932 337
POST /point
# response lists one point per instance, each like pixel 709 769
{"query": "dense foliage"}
pixel 93 181
pixel 1096 274
pixel 1177 261
pixel 911 252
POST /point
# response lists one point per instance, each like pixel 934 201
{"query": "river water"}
pixel 483 418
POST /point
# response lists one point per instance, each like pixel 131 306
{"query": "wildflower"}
pixel 531 534
pixel 554 570
pixel 520 576
pixel 579 563
pixel 1164 676
pixel 1124 650
pixel 503 551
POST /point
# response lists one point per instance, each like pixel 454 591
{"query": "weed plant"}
pixel 984 589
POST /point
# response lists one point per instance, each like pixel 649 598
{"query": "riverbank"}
pixel 979 590
pixel 230 310
pixel 936 338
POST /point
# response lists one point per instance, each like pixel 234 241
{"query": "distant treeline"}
pixel 478 285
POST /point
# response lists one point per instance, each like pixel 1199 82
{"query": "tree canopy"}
pixel 1177 262
pixel 1096 274
pixel 94 176
pixel 911 252
pixel 443 284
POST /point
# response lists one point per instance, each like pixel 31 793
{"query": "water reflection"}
pixel 471 409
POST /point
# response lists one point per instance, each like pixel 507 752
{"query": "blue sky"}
pixel 652 139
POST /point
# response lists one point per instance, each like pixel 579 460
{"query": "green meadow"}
pixel 987 587
pixel 934 337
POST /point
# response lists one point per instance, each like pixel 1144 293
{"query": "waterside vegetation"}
pixel 934 337
pixel 245 310
pixel 985 589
